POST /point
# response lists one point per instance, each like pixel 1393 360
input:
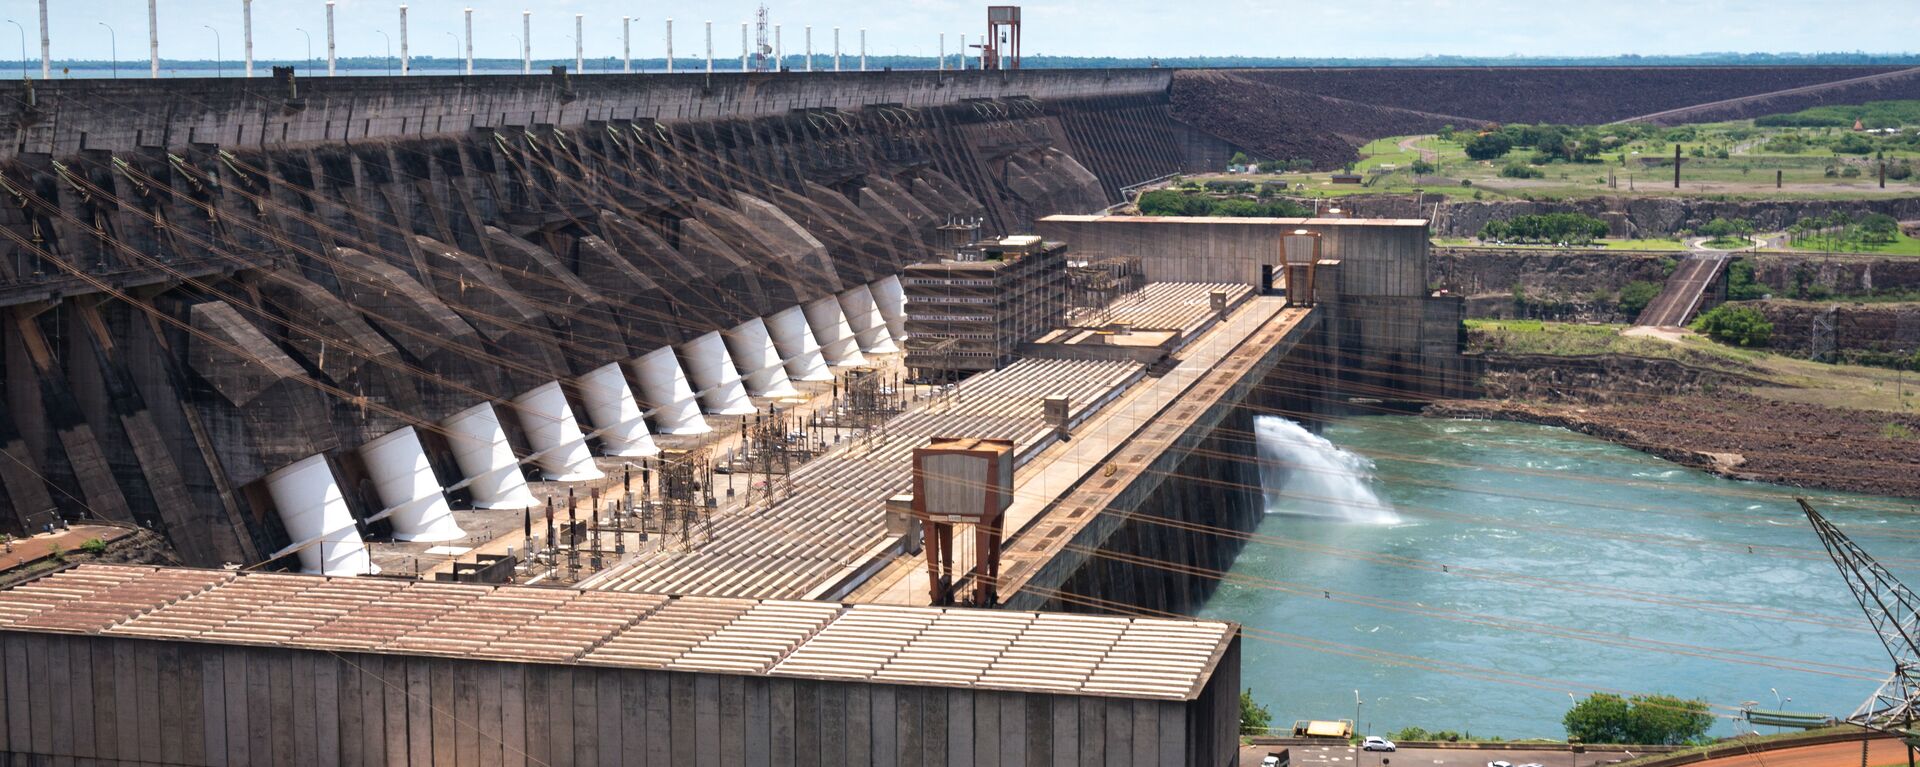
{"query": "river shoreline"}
pixel 1737 437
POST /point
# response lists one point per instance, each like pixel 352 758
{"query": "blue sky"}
pixel 1314 28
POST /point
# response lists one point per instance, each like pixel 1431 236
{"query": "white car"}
pixel 1500 764
pixel 1377 743
pixel 1270 761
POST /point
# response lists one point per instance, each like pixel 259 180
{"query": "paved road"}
pixel 1334 756
pixel 1885 751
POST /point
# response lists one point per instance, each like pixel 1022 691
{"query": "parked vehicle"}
pixel 1377 743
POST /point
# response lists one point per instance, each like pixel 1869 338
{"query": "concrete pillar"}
pixel 754 354
pixel 246 32
pixel 669 398
pixel 469 41
pixel 809 47
pixel 863 49
pixel 316 518
pixel 330 49
pixel 709 46
pixel 714 376
pixel 46 45
pixel 779 49
pixel 560 450
pixel 616 417
pixel 579 44
pixel 153 35
pixel 669 46
pixel 943 51
pixel 836 49
pixel 486 459
pixel 405 60
pixel 408 488
pixel 963 51
pixel 838 346
pixel 526 42
pixel 744 52
pixel 626 44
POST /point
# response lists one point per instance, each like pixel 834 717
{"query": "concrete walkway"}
pixel 1064 466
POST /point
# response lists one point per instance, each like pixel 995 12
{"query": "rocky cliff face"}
pixel 1647 217
pixel 1892 330
pixel 1575 285
pixel 1812 275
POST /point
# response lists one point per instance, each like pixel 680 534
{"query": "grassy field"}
pixel 1901 246
pixel 1789 379
pixel 1639 168
pixel 1653 244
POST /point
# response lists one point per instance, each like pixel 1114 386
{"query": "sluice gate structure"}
pixel 294 325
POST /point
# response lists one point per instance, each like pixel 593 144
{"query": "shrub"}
pixel 1850 172
pixel 1255 719
pixel 1737 325
pixel 1634 296
pixel 93 546
pixel 1487 146
pixel 1422 167
pixel 1573 228
pixel 1521 170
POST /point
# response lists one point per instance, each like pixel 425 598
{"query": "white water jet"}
pixel 1303 473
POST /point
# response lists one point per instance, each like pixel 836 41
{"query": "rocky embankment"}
pixel 1701 417
pixel 1573 285
pixel 1868 333
pixel 1625 217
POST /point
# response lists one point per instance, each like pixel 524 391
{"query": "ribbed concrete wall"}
pixel 110 701
pixel 123 115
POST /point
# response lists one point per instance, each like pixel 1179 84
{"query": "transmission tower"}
pixel 1821 340
pixel 1894 612
pixel 762 52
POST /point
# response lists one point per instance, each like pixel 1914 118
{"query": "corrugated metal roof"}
pixel 1032 652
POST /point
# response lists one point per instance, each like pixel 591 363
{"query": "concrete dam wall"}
pixel 262 313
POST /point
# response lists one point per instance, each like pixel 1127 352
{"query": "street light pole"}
pixel 1356 723
pixel 456 46
pixel 309 45
pixel 219 63
pixel 23 48
pixel 389 39
pixel 113 45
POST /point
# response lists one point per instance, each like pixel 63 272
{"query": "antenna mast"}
pixel 762 52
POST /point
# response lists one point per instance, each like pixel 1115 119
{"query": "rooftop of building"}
pixel 1048 653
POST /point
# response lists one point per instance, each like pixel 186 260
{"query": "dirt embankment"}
pixel 1701 418
pixel 1281 123
pixel 1568 95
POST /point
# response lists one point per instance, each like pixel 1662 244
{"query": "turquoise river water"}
pixel 1529 562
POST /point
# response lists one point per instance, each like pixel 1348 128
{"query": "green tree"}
pixel 1239 158
pixel 1601 718
pixel 1741 286
pixel 1667 720
pixel 1255 719
pixel 1487 146
pixel 1737 325
pixel 1422 168
pixel 1641 719
pixel 1634 296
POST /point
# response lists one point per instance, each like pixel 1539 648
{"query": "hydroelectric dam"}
pixel 620 419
